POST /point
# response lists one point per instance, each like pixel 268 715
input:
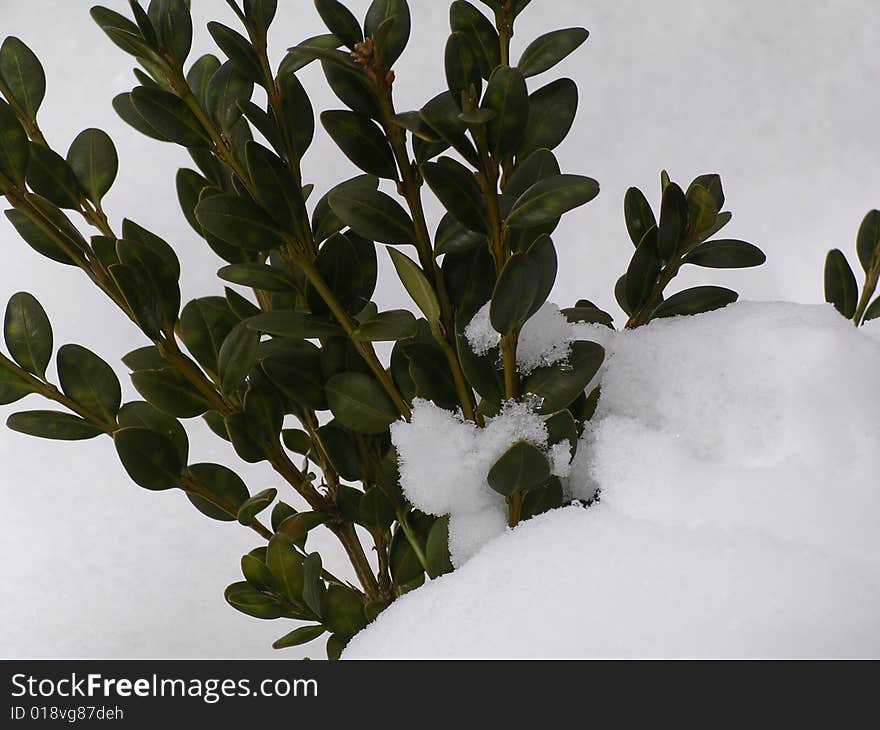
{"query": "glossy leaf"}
pixel 673 222
pixel 169 116
pixel 204 325
pixel 49 175
pixel 437 548
pixel 507 96
pixel 297 637
pixel 643 271
pixel 343 611
pixel 173 24
pixel 558 387
pixel 251 507
pixel 552 110
pixel 360 403
pixel 462 67
pixel 416 284
pixel 285 564
pixel 695 301
pixel 840 284
pixel 396 324
pixel 538 166
pixel 373 215
pixel 13 387
pixel 149 458
pixel 290 323
pixel 455 187
pixel 238 50
pixel 170 392
pixel 49 245
pixel 243 597
pixel 28 333
pixel 443 115
pixel 226 90
pixel 479 30
pixel 547 50
pixel 52 425
pixel 551 198
pixel 638 215
pixel 522 468
pixel 238 222
pixel 89 381
pixel 140 414
pixel 92 157
pixel 13 145
pixel 340 22
pixel 726 254
pixel 868 241
pixel 124 107
pixel 362 141
pixel 225 492
pixel 237 356
pixel 398 35
pixel 23 74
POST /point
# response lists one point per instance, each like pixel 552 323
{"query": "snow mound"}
pixel 738 461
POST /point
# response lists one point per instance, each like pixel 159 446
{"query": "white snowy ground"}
pixel 737 454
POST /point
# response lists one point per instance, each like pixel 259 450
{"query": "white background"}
pixel 782 99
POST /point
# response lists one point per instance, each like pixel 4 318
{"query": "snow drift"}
pixel 738 462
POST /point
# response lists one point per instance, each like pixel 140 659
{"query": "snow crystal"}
pixel 737 456
pixel 444 461
pixel 545 338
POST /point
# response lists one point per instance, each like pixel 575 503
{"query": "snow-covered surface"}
pixel 545 338
pixel 737 454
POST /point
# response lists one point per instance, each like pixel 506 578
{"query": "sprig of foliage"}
pixel 841 289
pixel 296 337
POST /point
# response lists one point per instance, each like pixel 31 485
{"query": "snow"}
pixel 545 338
pixel 736 453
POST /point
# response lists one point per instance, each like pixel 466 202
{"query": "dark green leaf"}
pixel 23 74
pixel 543 500
pixel 373 214
pixel 547 50
pixel 13 145
pixel 275 188
pixel 221 492
pixel 238 50
pixel 638 215
pixel 360 403
pixel 673 222
pixel 50 245
pixel 170 392
pixel 173 24
pixel 552 110
pixel 237 356
pixel 361 140
pixel 13 386
pixel 199 76
pixel 453 237
pixel 150 459
pixel 28 333
pixel 52 425
pixel 89 381
pixel 285 563
pixel 169 116
pixel 478 29
pixel 296 372
pixel 302 635
pixel 250 508
pixel 508 97
pixel 873 311
pixel 868 241
pixel 297 526
pixel 204 325
pixel 119 29
pixel 726 254
pixel 644 269
pixel 458 191
pixel 522 468
pixel 712 183
pixel 244 597
pixel 551 198
pixel 396 324
pixel 92 157
pixel 343 611
pixel 49 175
pixel 340 22
pixel 350 85
pixel 462 67
pixel 261 12
pixel 695 301
pixel 226 90
pixel 416 284
pixel 702 211
pixel 398 35
pixel 514 293
pixel 144 358
pixel 125 108
pixel 139 414
pixel 443 115
pixel 840 284
pixel 257 276
pixel 559 386
pixel 297 325
pixel 437 549
pixel 310 50
pixel 537 166
pixel 238 222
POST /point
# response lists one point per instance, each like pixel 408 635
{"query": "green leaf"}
pixel 443 115
pixel 437 549
pixel 13 145
pixel 238 222
pixel 139 414
pixel 361 141
pixel 416 284
pixel 325 223
pixel 296 372
pixel 431 374
pixel 297 637
pixel 350 86
pixel 204 325
pixel 840 284
pixel 23 74
pixel 52 425
pixel 294 324
pixel 93 159
pixel 552 110
pixel 149 458
pixel 173 24
pixel 523 286
pixel 712 183
pixel 726 254
pixel 255 572
pixel 226 90
pixel 373 215
pixel 89 381
pixel 702 211
pixel 455 187
pixel 170 392
pixel 237 356
pixel 199 76
pixel 358 402
pixel 868 241
pixel 285 564
pixel 169 116
pixel 338 264
pixel 49 175
pixel 309 50
pixel 297 526
pixel 479 30
pixel 559 386
pixel 452 237
pixel 243 597
pixel 543 500
pixel 13 387
pixel 638 215
pixel 37 238
pixel 522 468
pixel 551 198
pixel 144 358
pixel 547 50
pixel 342 611
pixel 250 508
pixel 124 107
pixel 508 97
pixel 462 67
pixel 340 22
pixel 239 51
pixel 538 166
pixel 28 333
pixel 673 222
pixel 227 491
pixel 695 301
pixel 643 271
pixel 313 585
pixel 341 448
pixel 398 35
pixel 276 190
pixel 261 12
pixel 124 34
pixel 391 326
pixel 873 311
pixel 257 276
